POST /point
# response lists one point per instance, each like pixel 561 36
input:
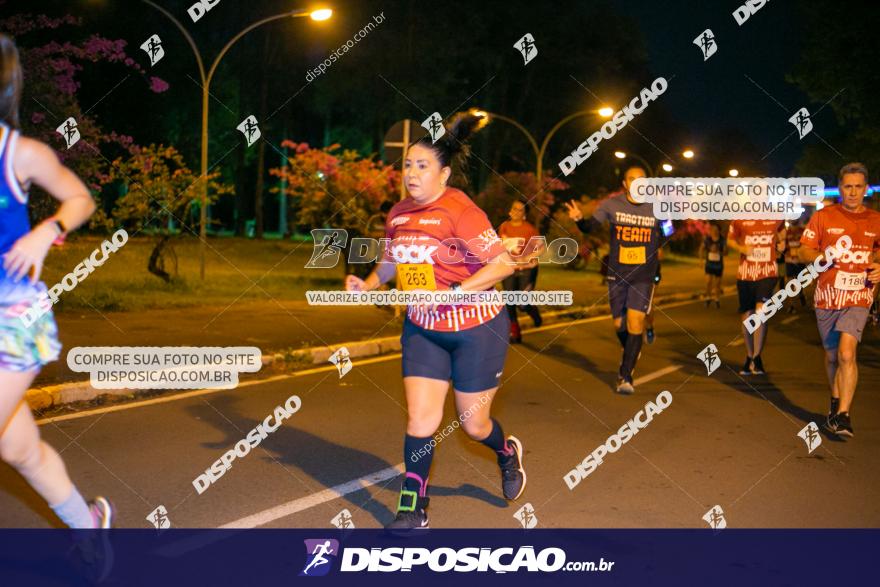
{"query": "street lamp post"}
pixel 491 115
pixel 602 112
pixel 206 84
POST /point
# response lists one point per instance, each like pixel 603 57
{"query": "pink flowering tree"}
pixel 158 190
pixel 49 97
pixel 327 188
pixel 502 190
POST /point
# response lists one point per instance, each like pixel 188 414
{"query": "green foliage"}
pixel 335 189
pixel 837 67
pixel 158 186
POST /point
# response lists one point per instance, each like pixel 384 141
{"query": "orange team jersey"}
pixel 843 285
pixel 451 239
pixel 515 237
pixel 761 235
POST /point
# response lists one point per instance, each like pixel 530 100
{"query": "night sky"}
pixel 732 109
pixel 717 93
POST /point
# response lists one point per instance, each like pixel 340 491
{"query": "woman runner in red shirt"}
pixel 516 233
pixel 437 235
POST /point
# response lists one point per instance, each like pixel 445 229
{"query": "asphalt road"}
pixel 724 440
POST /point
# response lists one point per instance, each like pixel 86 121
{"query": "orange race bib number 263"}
pixel 415 276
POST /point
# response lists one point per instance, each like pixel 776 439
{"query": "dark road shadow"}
pixel 327 463
pixel 564 354
pixel 760 387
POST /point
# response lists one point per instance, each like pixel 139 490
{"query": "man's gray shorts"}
pixel 832 322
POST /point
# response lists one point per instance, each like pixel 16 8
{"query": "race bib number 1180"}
pixel 849 281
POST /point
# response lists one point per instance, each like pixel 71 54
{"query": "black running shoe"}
pixel 835 403
pixel 411 514
pixel 747 367
pixel 831 423
pixel 758 366
pixel 844 425
pixel 513 475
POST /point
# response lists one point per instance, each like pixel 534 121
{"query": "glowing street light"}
pixel 206 77
pixel 688 154
pixel 620 154
pixel 606 111
pixel 667 167
pixel 733 172
pixel 322 14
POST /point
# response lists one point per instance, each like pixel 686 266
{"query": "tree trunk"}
pixel 158 258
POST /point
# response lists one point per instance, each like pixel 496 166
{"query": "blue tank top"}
pixel 14 221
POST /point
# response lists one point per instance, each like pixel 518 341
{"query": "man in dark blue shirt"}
pixel 636 238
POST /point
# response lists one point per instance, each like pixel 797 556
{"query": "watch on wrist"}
pixel 455 286
pixel 59 227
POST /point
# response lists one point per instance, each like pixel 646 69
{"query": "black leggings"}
pixel 520 281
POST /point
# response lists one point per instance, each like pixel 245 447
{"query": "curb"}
pixel 41 398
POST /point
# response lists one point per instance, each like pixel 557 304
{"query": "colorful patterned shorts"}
pixel 25 348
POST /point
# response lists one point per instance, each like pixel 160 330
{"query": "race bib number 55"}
pixel 632 255
pixel 415 276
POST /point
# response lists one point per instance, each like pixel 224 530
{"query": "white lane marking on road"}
pixel 198 392
pixel 790 319
pixel 310 501
pixel 658 373
pixel 176 549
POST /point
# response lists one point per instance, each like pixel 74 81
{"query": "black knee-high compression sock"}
pixel 418 454
pixel 622 335
pixel 496 440
pixel 630 355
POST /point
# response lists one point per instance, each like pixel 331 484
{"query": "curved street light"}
pixel 322 14
pixel 604 112
pixel 490 115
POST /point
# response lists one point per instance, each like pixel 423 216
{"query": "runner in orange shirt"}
pixel 845 291
pixel 515 234
pixel 759 243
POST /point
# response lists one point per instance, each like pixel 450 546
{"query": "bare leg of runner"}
pixel 36 461
pixel 847 375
